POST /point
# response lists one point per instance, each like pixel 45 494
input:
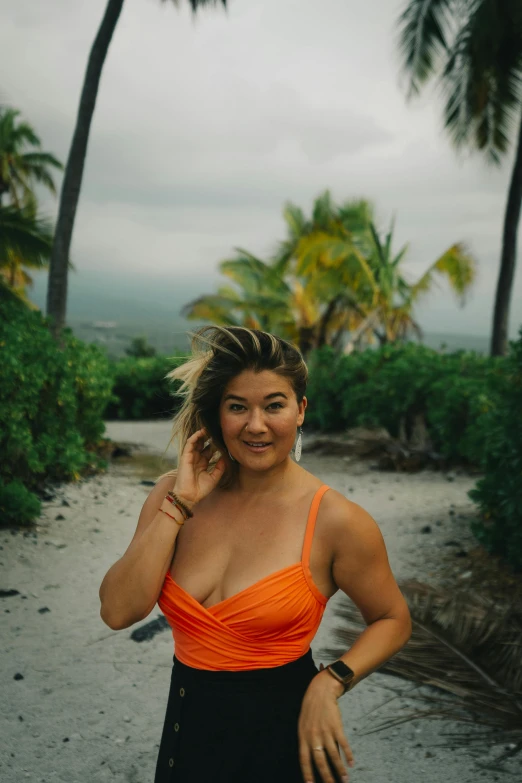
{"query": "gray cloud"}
pixel 204 129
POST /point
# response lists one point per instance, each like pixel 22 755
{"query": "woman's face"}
pixel 260 408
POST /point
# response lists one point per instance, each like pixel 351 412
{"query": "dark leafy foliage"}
pixel 51 406
pixel 499 493
pixel 140 390
pixel 381 388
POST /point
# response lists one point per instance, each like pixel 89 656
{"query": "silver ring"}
pixel 319 748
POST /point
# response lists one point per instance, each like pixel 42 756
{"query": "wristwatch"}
pixel 342 672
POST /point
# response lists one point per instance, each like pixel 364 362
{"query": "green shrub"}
pixel 18 506
pixel 499 492
pixel 140 390
pixel 51 401
pixel 396 383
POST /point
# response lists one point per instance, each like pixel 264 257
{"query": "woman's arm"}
pixel 362 571
pixel 132 585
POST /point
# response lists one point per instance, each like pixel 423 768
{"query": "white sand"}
pixel 91 703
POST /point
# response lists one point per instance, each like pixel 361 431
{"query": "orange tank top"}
pixel 268 624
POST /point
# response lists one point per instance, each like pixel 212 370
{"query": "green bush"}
pixel 17 504
pixel 140 390
pixel 396 383
pixel 51 402
pixel 499 493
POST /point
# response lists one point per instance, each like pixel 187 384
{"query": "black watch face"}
pixel 342 670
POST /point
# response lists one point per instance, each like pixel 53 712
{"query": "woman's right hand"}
pixel 193 483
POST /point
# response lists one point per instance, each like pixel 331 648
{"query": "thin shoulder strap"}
pixel 310 525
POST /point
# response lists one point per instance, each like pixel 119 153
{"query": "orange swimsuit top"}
pixel 270 623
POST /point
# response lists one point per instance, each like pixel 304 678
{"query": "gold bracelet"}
pixel 172 517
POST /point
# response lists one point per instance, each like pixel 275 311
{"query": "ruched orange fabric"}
pixel 268 624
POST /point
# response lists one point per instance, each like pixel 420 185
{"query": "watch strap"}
pixel 345 676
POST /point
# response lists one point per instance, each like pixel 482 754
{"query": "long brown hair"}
pixel 220 353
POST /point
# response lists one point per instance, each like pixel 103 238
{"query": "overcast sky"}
pixel 203 130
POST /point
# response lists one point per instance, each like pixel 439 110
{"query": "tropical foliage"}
pixel 140 388
pixel 499 492
pixel 25 243
pixel 396 385
pixel 25 237
pixel 23 164
pixel 476 49
pixel 333 275
pixel 51 409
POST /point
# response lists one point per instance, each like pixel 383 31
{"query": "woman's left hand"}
pixel 320 725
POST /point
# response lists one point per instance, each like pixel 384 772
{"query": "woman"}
pixel 242 548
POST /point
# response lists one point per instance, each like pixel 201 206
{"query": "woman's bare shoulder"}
pixel 342 518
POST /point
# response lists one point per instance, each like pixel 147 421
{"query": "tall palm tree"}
pixel 72 181
pixel 476 48
pixel 22 162
pixel 25 241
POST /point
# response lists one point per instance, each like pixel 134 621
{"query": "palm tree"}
pixel 259 301
pixel 262 299
pixel 296 302
pixel 333 274
pixel 370 270
pixel 476 47
pixel 20 168
pixel 72 181
pixel 25 241
pixel 334 295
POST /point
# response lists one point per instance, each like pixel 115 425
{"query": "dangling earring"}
pixel 231 457
pixel 299 445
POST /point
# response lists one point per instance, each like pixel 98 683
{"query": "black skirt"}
pixel 234 726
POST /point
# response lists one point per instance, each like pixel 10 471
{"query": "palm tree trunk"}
pixel 57 284
pixel 499 339
pixel 325 321
pixel 306 339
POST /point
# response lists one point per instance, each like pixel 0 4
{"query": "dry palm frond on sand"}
pixel 468 648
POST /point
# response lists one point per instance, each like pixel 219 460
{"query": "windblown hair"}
pixel 219 354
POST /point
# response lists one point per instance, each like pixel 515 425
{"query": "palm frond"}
pixel 323 211
pixel 464 645
pixel 294 219
pixel 195 4
pixel 457 265
pixel 26 235
pixel 212 307
pixel 482 78
pixel 21 168
pixel 424 28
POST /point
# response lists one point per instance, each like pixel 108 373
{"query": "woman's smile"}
pixel 257 447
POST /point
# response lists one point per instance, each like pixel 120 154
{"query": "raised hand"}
pixel 193 482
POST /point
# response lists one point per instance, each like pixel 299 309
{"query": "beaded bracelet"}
pixel 172 517
pixel 176 505
pixel 185 508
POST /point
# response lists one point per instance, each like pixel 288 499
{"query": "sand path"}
pixel 89 704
